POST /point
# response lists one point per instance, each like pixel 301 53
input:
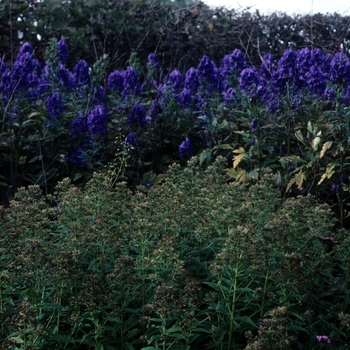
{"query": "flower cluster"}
pixel 323 339
pixel 97 121
pixel 137 115
pixel 185 149
pixel 54 105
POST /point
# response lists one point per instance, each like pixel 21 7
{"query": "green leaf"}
pixel 328 174
pixel 78 176
pixel 300 137
pixel 225 146
pixel 290 184
pixel 246 319
pixel 315 142
pixel 299 179
pixel 205 156
pixel 325 147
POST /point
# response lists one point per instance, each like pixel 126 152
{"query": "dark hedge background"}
pixel 180 34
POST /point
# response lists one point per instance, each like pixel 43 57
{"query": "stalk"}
pixel 234 301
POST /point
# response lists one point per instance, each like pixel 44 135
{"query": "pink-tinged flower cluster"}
pixel 323 339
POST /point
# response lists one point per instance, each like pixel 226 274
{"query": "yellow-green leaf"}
pixel 325 147
pixel 299 179
pixel 225 146
pixel 239 150
pixel 242 176
pixel 315 143
pixel 328 174
pixel 239 158
pixel 290 184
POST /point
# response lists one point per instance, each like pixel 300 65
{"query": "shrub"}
pixel 193 262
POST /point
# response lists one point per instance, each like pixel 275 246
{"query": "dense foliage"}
pixel 180 35
pixel 194 263
pixel 290 115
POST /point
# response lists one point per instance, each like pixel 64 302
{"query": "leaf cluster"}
pixel 193 262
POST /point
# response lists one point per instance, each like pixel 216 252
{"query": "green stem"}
pixel 264 291
pixel 234 301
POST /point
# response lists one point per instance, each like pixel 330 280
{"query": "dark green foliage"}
pixel 195 262
pixel 180 35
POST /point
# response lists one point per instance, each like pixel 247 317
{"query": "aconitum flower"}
pixel 175 80
pixel 131 82
pixel 253 125
pixel 54 105
pixel 208 72
pixel 225 69
pixel 266 67
pixel 238 61
pixel 21 68
pixel 25 48
pixel 272 101
pixel 115 81
pixel 185 149
pixel 287 63
pixel 137 115
pixel 323 339
pixel 131 138
pixel 77 158
pixel 192 80
pixel 155 109
pixel 229 96
pixel 81 73
pixel 97 121
pixel 329 94
pixel 318 56
pixel 152 59
pixel 79 125
pixel 340 68
pixel 99 96
pixel 62 50
pixel 185 98
pixel 304 61
pixel 249 81
pixel 316 80
pixel 65 77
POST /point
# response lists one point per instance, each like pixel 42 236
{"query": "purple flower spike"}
pixel 79 125
pixel 229 96
pixel 185 149
pixel 137 115
pixel 81 73
pixel 238 60
pixel 316 80
pixel 97 121
pixel 115 81
pixel 192 80
pixel 131 138
pixel 185 98
pixel 55 105
pixel 249 81
pixel 62 50
pixel 175 79
pixel 254 125
pixel 266 67
pixel 66 78
pixel 131 83
pixel 152 59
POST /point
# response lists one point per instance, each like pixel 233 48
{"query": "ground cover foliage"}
pixel 195 262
